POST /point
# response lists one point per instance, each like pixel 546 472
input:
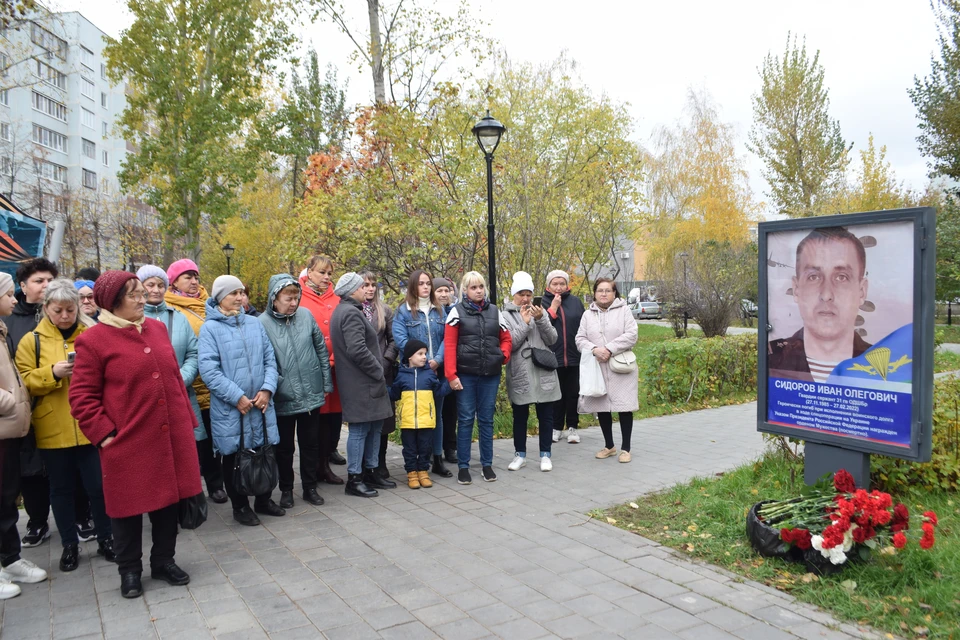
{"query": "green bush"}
pixel 943 470
pixel 697 369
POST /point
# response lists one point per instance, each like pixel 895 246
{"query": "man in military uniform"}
pixel 829 287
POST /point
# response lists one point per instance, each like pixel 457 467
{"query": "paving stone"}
pixel 672 619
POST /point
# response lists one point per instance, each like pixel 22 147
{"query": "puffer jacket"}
pixel 14 398
pixel 303 365
pixel 526 382
pixel 194 310
pixel 184 342
pixel 53 425
pixel 236 360
pixel 413 392
pixel 414 325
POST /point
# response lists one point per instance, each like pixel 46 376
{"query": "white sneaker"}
pixel 545 464
pixel 574 437
pixel 556 435
pixel 517 463
pixel 8 590
pixel 23 571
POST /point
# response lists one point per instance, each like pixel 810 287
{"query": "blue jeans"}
pixel 438 430
pixel 478 400
pixel 62 466
pixel 363 446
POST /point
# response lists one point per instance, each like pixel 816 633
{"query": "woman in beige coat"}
pixel 14 424
pixel 607 329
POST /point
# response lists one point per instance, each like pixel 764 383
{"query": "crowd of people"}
pixel 121 390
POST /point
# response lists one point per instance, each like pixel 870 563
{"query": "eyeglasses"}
pixel 137 297
pixel 87 297
pixel 604 290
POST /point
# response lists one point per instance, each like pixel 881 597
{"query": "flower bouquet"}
pixel 831 522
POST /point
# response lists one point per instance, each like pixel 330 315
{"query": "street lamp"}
pixel 228 252
pixel 489 132
pixel 686 314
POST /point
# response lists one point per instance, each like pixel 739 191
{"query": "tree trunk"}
pixel 376 53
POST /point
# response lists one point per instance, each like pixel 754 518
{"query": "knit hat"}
pixel 224 285
pixel 522 281
pixel 179 268
pixel 412 347
pixel 80 284
pixel 148 271
pixel 108 287
pixel 6 283
pixel 442 282
pixel 347 284
pixel 557 273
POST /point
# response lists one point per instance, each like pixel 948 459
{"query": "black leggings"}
pixel 626 428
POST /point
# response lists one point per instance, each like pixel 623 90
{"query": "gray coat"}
pixel 360 379
pixel 303 365
pixel 526 382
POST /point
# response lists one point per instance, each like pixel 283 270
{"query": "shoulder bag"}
pixel 256 469
pixel 542 358
pixel 192 512
pixel 624 362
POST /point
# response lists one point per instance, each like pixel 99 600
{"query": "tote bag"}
pixel 256 470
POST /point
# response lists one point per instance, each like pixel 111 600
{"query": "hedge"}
pixel 695 370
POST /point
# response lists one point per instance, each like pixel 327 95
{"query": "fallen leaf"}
pixel 634 505
pixel 754 491
pixel 924 606
pixel 666 528
pixel 692 527
pixel 849 585
pixel 888 551
pixel 809 577
pixel 904 626
pixel 611 521
pixel 921 631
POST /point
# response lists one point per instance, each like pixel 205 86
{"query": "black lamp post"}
pixel 228 252
pixel 489 132
pixel 686 314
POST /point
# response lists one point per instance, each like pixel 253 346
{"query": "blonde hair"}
pixel 319 262
pixel 470 278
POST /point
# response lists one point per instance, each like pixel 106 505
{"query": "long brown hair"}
pixel 379 309
pixel 413 287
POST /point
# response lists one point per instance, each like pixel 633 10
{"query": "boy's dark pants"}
pixel 417 449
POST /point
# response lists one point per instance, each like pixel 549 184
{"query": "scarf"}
pixel 230 314
pixel 476 306
pixel 111 320
pixel 315 287
pixel 184 293
pixel 367 308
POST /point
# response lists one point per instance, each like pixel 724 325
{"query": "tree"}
pixel 13 11
pixel 195 72
pixel 803 152
pixel 936 96
pixel 948 249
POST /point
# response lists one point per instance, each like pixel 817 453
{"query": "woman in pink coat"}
pixel 128 396
pixel 607 329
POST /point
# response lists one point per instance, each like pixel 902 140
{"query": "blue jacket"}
pixel 236 360
pixel 409 325
pixel 414 389
pixel 185 345
pixel 303 365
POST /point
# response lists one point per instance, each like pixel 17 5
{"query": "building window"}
pixel 6 166
pixel 88 119
pixel 43 38
pixel 50 202
pixel 4 64
pixel 5 97
pixel 105 158
pixel 50 107
pixel 89 179
pixel 104 102
pixel 86 58
pixel 103 71
pixel 51 76
pixel 5 131
pixel 87 88
pixel 49 170
pixel 50 139
pixel 89 149
pixel 106 129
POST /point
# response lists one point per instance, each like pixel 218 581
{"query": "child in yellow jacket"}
pixel 416 412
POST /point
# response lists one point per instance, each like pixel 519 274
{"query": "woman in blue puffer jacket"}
pixel 237 362
pixel 421 317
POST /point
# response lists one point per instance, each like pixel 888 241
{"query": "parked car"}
pixel 646 311
pixel 748 309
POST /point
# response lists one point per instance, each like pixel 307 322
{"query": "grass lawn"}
pixel 950 333
pixel 915 593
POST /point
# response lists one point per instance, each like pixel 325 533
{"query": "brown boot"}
pixel 413 480
pixel 324 472
pixel 425 480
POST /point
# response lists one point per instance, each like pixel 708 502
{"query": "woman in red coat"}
pixel 320 300
pixel 128 396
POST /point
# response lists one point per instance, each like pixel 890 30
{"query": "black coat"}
pixel 566 323
pixel 20 323
pixel 360 375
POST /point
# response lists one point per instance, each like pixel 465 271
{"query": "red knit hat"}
pixel 108 287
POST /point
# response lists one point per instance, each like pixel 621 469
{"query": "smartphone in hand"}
pixel 71 356
pixel 538 301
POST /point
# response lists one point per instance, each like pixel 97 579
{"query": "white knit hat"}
pixel 522 281
pixel 557 273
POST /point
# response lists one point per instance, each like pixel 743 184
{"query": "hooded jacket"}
pixel 526 382
pixel 303 365
pixel 236 360
pixel 566 322
pixel 25 317
pixel 14 398
pixel 185 346
pixel 53 425
pixel 194 310
pixel 414 389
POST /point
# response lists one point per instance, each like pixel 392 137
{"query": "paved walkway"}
pixel 516 559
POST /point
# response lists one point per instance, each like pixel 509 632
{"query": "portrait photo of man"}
pixel 829 288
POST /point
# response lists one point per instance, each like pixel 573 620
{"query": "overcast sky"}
pixel 649 53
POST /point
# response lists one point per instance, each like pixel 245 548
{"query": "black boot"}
pixel 382 470
pixel 439 468
pixel 311 496
pixel 356 487
pixel 70 557
pixel 105 549
pixel 373 479
pixel 336 458
pixel 130 585
pixel 286 499
pixel 450 455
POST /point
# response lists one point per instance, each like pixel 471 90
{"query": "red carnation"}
pixel 926 541
pixel 843 482
pixel 899 540
pixel 786 535
pixel 860 535
pixel 882 517
pixel 931 517
pixel 802 538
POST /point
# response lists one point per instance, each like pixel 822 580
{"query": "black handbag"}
pixel 256 469
pixel 542 358
pixel 192 512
